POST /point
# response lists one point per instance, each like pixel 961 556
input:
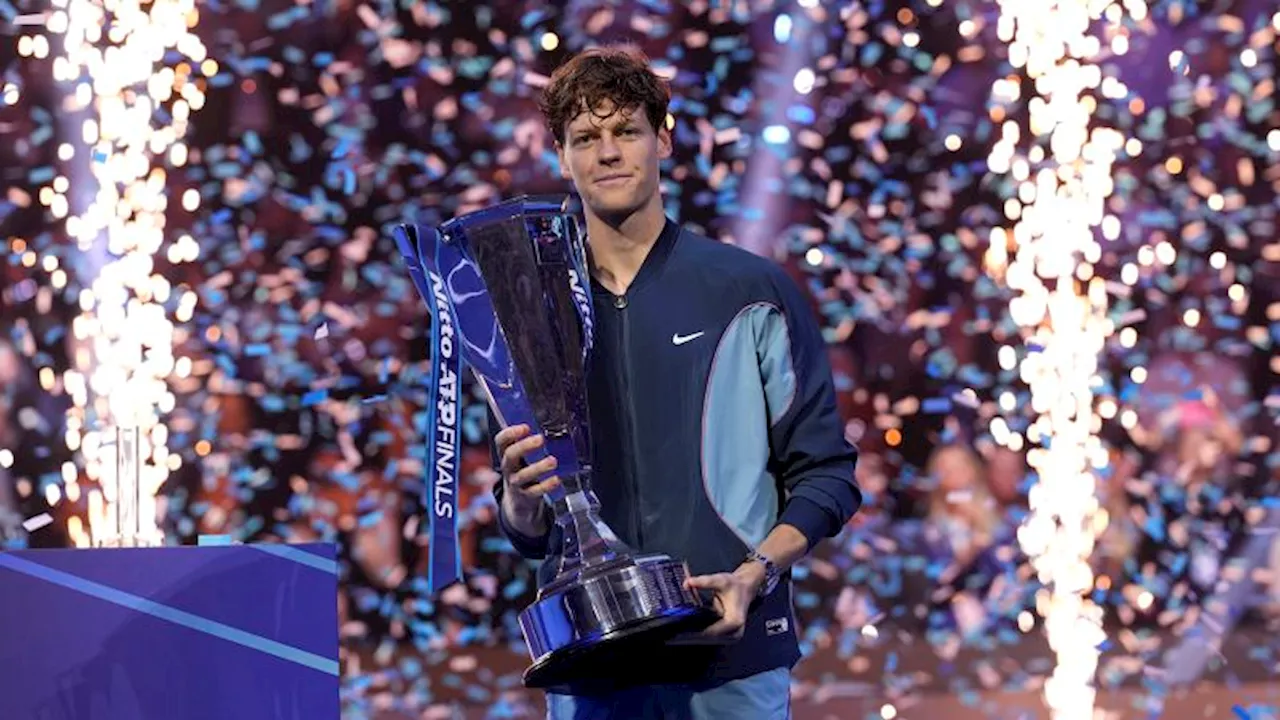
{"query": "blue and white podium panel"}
pixel 242 632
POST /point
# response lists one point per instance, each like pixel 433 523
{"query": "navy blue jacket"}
pixel 713 418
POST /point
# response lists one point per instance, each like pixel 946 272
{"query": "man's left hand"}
pixel 733 595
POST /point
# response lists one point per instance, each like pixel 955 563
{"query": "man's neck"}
pixel 618 248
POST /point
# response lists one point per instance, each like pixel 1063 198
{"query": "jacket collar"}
pixel 653 261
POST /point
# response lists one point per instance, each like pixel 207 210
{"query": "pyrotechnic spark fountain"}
pixel 135 70
pixel 1064 171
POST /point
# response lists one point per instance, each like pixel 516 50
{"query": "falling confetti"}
pixel 35 523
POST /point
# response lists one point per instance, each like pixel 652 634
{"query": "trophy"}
pixel 509 293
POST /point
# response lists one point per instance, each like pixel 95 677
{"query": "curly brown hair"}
pixel 617 73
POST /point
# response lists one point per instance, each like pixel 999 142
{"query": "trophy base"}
pixel 590 630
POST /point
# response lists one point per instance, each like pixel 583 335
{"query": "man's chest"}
pixel 648 347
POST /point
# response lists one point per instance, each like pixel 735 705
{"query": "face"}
pixel 955 470
pixel 1005 472
pixel 612 158
pixel 870 474
pixel 1198 449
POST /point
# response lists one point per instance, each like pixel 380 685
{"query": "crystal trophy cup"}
pixel 514 277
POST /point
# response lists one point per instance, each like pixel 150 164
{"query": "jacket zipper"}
pixel 620 303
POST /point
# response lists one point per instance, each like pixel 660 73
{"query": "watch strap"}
pixel 771 573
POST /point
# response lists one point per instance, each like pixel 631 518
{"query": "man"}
pixel 715 432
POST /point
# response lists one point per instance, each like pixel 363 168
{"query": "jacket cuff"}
pixel 810 518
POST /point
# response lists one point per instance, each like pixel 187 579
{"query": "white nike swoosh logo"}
pixel 678 339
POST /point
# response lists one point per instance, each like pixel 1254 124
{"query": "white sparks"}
pixel 1060 202
pixel 124 339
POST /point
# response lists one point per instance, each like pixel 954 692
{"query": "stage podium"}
pixel 238 632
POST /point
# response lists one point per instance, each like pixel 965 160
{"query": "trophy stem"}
pixel 589 544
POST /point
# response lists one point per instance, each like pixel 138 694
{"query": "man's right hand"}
pixel 522 492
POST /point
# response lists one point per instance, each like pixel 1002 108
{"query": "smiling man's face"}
pixel 612 156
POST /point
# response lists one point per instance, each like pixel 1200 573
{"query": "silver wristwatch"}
pixel 771 573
